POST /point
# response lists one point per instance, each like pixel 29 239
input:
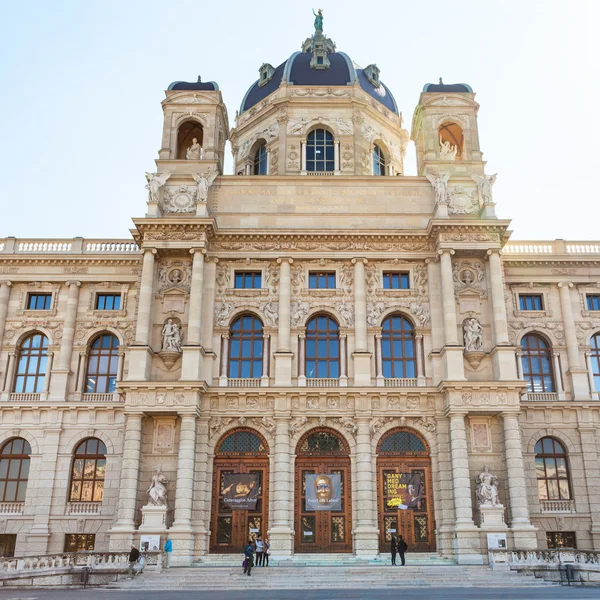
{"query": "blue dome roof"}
pixel 296 70
pixel 207 86
pixel 456 88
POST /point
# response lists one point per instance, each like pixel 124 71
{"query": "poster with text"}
pixel 324 492
pixel 240 490
pixel 404 490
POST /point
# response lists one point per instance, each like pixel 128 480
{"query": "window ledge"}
pixel 248 291
pixel 324 291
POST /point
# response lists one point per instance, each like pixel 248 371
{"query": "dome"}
pixel 450 88
pixel 207 86
pixel 297 70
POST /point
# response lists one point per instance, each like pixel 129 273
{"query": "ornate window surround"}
pixel 584 290
pixel 531 288
pixel 248 267
pixel 396 268
pixel 42 288
pixel 329 267
pixel 111 287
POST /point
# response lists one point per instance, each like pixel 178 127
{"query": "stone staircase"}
pixel 301 577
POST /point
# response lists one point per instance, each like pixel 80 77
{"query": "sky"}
pixel 81 84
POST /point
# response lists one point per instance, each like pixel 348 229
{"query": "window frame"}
pixel 85 456
pixel 545 457
pixel 393 336
pixel 401 276
pixel 328 275
pixel 19 479
pixel 312 143
pixel 245 274
pixel 246 335
pixel 331 337
pixel 32 352
pixel 556 535
pixel 379 161
pixel 595 360
pixel 523 299
pixel 113 353
pixel 259 160
pixel 530 353
pixel 86 538
pixel 595 298
pixel 106 295
pixel 46 295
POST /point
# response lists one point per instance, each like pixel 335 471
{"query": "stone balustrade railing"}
pixel 561 506
pixel 11 508
pixel 551 247
pixel 13 245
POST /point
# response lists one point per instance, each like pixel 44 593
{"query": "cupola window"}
pixel 266 74
pixel 260 160
pixel 372 73
pixel 320 155
pixel 379 166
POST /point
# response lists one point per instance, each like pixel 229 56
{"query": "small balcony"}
pixel 11 508
pixel 322 382
pixel 83 508
pixel 541 397
pixel 557 506
pixel 14 397
pixel 241 382
pixel 402 383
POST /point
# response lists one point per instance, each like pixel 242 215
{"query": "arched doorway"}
pixel 323 451
pixel 403 459
pixel 241 452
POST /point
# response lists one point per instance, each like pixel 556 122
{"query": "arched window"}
pixel 14 470
pixel 379 166
pixel 319 151
pixel 322 348
pixel 87 472
pixel 260 160
pixel 552 470
pixel 185 137
pixel 402 442
pixel 102 365
pixel 595 360
pixel 242 441
pixel 322 441
pixel 246 348
pixel 398 348
pixel 537 364
pixel 31 368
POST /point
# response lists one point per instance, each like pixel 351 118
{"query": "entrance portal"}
pixel 323 452
pixel 243 452
pixel 403 451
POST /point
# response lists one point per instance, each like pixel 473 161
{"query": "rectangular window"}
pixel 396 281
pixel 321 280
pixel 531 302
pixel 8 542
pixel 561 539
pixel 108 301
pixel 39 302
pixel 80 542
pixel 248 280
pixel 593 301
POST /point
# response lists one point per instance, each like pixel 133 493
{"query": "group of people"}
pixel 137 560
pixel 399 546
pixel 262 549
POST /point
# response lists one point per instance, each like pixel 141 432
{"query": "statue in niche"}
pixel 171 337
pixel 485 183
pixel 157 492
pixel 447 151
pixel 154 183
pixel 440 186
pixel 203 183
pixel 473 334
pixel 194 152
pixel 487 488
pixel 318 20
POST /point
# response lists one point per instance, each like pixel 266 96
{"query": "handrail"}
pixel 76 245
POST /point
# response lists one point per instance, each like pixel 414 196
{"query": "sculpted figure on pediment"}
pixel 485 183
pixel 440 186
pixel 154 182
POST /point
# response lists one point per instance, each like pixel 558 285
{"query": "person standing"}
pixel 248 557
pixel 402 548
pixel 168 548
pixel 260 547
pixel 134 554
pixel 393 547
pixel 266 552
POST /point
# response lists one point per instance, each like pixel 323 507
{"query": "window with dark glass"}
pixel 80 542
pixel 8 541
pixel 39 301
pixel 593 301
pixel 88 471
pixel 321 280
pixel 398 348
pixel 108 302
pixel 248 279
pixel 552 470
pixel 378 161
pixel 260 160
pixel 531 302
pixel 595 360
pixel 246 348
pixel 537 364
pixel 322 348
pixel 32 364
pixel 561 539
pixel 102 365
pixel 396 281
pixel 320 151
pixel 14 470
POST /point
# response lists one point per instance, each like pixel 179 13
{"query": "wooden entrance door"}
pixel 322 531
pixel 416 524
pixel 231 529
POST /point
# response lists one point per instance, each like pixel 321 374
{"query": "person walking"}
pixel 393 548
pixel 168 548
pixel 248 557
pixel 266 552
pixel 402 548
pixel 260 547
pixel 134 554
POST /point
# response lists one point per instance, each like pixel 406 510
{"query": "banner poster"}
pixel 240 491
pixel 403 490
pixel 323 492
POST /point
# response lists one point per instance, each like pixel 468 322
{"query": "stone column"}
pixel 302 359
pixel 60 377
pixel 421 381
pixel 48 377
pixel 4 298
pixel 379 360
pixel 203 488
pixel 284 355
pixel 207 325
pixel 516 489
pixel 191 364
pixel 365 531
pixel 361 354
pixel 520 364
pixel 11 364
pixel 560 390
pixel 576 370
pixel 343 360
pixel 336 156
pixel 224 359
pixel 266 358
pixel 591 381
pixel 303 155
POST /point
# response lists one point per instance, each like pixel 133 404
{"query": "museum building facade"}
pixel 318 312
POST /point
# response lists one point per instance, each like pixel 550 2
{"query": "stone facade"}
pixel 171 409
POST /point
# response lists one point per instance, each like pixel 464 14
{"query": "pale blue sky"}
pixel 82 82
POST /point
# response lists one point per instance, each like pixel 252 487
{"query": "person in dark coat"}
pixel 393 548
pixel 133 558
pixel 402 548
pixel 248 557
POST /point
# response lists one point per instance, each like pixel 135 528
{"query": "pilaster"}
pixel 361 356
pixel 283 355
pixel 191 364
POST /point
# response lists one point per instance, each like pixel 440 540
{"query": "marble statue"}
pixel 157 492
pixel 473 334
pixel 487 488
pixel 154 183
pixel 194 152
pixel 171 337
pixel 440 186
pixel 485 183
pixel 203 183
pixel 318 20
pixel 447 152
